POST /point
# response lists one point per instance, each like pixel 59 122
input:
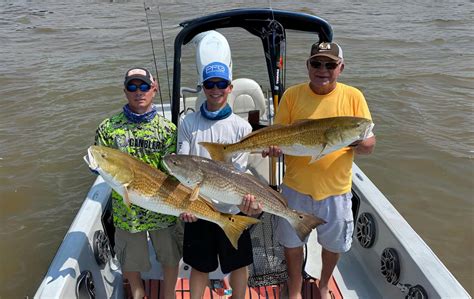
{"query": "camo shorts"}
pixel 132 248
pixel 335 235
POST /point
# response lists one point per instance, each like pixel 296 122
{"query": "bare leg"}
pixel 136 284
pixel 329 261
pixel 198 283
pixel 294 263
pixel 238 282
pixel 170 275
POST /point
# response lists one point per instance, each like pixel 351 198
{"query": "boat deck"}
pixel 310 290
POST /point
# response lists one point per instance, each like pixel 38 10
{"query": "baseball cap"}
pixel 216 70
pixel 139 74
pixel 331 50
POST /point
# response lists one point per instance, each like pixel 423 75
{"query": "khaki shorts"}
pixel 132 248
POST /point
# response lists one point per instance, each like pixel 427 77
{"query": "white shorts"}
pixel 335 235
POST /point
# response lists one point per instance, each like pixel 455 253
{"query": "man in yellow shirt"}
pixel 322 188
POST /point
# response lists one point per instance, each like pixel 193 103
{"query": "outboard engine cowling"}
pixel 211 46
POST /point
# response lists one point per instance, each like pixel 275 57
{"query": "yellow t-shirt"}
pixel 332 174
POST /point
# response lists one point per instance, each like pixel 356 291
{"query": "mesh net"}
pixel 269 265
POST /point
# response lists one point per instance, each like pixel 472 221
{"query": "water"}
pixel 61 68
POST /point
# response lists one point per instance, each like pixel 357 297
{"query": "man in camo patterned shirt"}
pixel 139 131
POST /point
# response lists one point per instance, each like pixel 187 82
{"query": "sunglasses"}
pixel 316 64
pixel 220 84
pixel 143 87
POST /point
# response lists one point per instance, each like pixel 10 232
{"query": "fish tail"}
pixel 216 150
pixel 304 223
pixel 234 226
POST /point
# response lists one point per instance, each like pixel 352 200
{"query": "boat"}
pixel 388 259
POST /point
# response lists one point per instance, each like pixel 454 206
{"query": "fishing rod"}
pixel 164 50
pixel 154 57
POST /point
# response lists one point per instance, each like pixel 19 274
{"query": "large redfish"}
pixel 145 186
pixel 221 182
pixel 309 137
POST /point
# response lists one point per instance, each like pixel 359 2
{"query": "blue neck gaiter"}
pixel 216 115
pixel 139 118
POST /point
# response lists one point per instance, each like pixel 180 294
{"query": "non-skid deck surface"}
pixel 310 291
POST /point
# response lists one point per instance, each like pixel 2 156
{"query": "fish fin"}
pixel 304 223
pixel 274 127
pixel 299 121
pixel 262 130
pixel 275 193
pixel 227 165
pixel 234 226
pixel 216 150
pixel 319 155
pixel 126 198
pixel 194 195
pixel 209 204
pixel 278 195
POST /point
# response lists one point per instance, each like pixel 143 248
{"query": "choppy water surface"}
pixel 61 68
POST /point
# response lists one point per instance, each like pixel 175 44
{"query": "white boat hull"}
pixel 76 254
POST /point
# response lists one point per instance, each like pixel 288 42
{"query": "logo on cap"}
pixel 331 50
pixel 136 72
pixel 324 46
pixel 140 74
pixel 216 70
